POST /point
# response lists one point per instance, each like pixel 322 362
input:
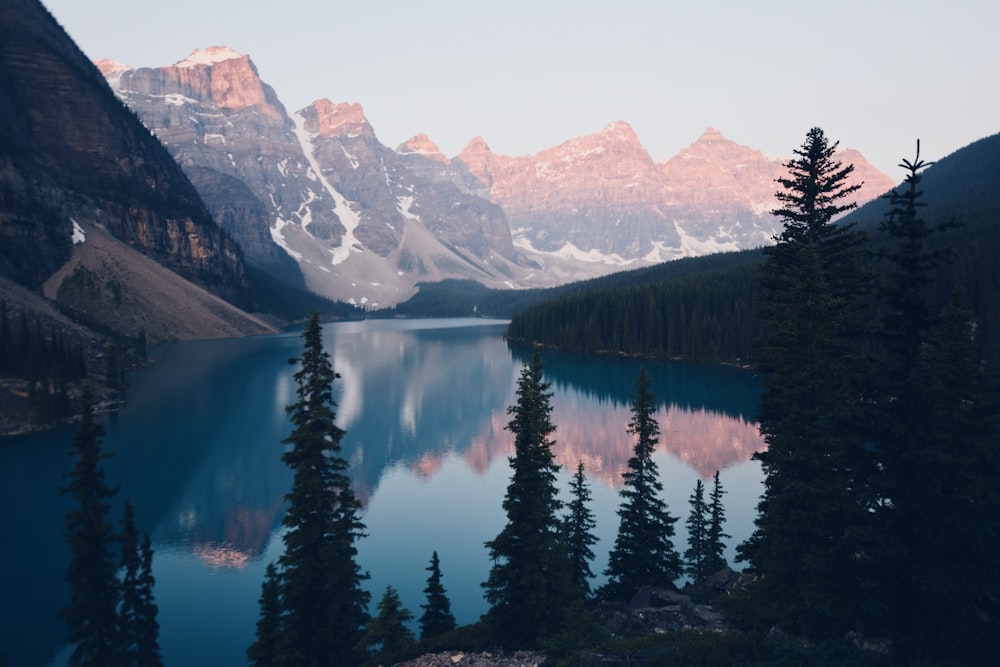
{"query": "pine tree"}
pixel 643 553
pixel 715 546
pixel 528 583
pixel 387 640
pixel 324 606
pixel 814 286
pixel 437 617
pixel 92 613
pixel 147 648
pixel 579 527
pixel 937 446
pixel 695 557
pixel 130 604
pixel 268 649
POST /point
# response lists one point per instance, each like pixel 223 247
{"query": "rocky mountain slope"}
pixel 74 162
pixel 366 223
pixel 603 197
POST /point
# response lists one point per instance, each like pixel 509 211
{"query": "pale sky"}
pixel 528 75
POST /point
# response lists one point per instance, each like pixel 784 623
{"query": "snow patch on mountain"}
pixel 348 217
pixel 403 205
pixel 209 56
pixel 570 251
pixel 279 238
pixel 693 247
pixel 78 235
pixel 175 99
pixel 353 160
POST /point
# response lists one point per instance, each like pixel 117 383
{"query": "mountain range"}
pixel 366 224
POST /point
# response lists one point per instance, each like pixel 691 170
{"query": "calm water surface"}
pixel 424 403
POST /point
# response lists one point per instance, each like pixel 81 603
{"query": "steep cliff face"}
pixel 219 122
pixel 403 216
pixel 70 151
pixel 392 192
pixel 238 211
pixel 603 196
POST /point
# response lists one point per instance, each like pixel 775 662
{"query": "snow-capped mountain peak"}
pixel 209 56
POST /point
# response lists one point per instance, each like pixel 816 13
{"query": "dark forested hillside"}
pixel 706 316
pixel 703 308
pixel 458 298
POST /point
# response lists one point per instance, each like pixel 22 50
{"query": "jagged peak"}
pixel 710 134
pixel 476 145
pixel 621 131
pixel 714 146
pixel 421 144
pixel 340 119
pixel 709 138
pixel 209 56
pixel 109 67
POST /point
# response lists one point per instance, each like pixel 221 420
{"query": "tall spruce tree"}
pixel 437 617
pixel 147 635
pixel 528 583
pixel 579 527
pixel 130 603
pixel 715 539
pixel 695 556
pixel 92 613
pixel 644 553
pixel 937 443
pixel 268 648
pixel 324 606
pixel 815 504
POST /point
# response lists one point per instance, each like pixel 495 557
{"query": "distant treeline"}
pixel 45 358
pixel 708 317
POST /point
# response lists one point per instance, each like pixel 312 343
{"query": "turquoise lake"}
pixel 197 449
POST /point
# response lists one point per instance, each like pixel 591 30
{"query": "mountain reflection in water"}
pixel 197 450
pixel 414 397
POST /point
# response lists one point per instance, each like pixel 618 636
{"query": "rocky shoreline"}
pixel 483 659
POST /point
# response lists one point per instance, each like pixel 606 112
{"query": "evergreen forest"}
pixel 48 362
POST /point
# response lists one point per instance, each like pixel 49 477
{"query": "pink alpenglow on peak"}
pixel 421 144
pixel 620 131
pixel 109 68
pixel 340 120
pixel 224 76
pixel 209 56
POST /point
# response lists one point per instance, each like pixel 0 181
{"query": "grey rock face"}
pixel 363 223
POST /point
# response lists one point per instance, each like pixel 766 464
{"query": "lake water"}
pixel 424 403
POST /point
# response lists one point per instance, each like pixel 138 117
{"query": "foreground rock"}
pixel 657 610
pixel 462 659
